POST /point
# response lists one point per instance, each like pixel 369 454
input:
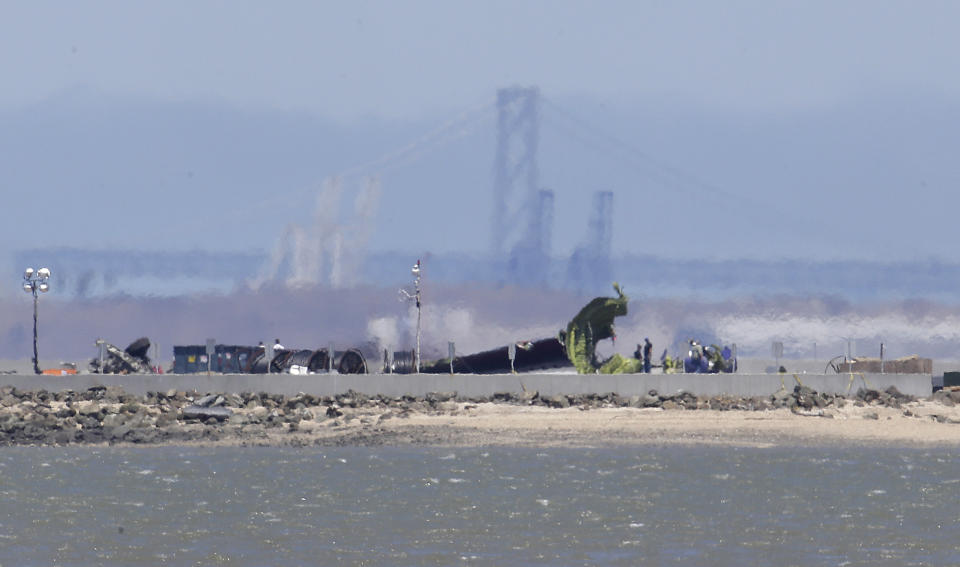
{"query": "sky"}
pixel 747 128
pixel 346 60
pixel 815 130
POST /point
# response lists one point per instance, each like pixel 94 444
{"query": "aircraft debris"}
pixel 132 360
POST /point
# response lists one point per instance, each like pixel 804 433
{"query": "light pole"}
pixel 415 271
pixel 36 283
pixel 416 282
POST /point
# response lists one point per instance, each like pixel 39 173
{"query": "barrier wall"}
pixel 748 385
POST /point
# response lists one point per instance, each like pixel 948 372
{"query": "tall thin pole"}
pixel 417 282
pixel 36 361
pixel 35 282
pixel 881 359
pixel 406 295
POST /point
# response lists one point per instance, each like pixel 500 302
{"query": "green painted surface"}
pixel 592 324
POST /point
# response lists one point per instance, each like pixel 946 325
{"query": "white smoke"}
pixel 331 250
pixel 335 245
pixel 384 332
pixel 305 262
pixel 808 327
pixel 353 239
pixel 326 230
pixel 900 332
pixel 472 332
pixel 443 322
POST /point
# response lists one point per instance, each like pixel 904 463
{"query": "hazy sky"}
pixel 350 59
pixel 763 129
pixel 839 113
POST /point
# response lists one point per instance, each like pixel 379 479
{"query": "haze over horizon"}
pixel 809 130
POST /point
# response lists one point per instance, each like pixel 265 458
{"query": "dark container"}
pixel 189 359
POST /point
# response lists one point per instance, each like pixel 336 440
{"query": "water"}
pixel 478 506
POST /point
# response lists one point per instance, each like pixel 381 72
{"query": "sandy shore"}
pixel 922 423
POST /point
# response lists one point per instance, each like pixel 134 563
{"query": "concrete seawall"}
pixel 469 385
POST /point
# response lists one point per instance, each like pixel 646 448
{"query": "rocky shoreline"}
pixel 108 415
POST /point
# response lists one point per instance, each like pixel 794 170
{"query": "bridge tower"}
pixel 590 268
pixel 522 212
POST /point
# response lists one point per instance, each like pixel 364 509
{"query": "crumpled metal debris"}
pixel 132 360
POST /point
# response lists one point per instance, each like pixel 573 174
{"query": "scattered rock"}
pixel 206 401
pixel 206 413
pixel 558 401
pixel 529 396
pixel 438 397
pixel 651 400
pixel 944 397
pixel 110 415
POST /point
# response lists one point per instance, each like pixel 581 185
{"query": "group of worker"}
pixel 709 359
pixel 644 352
pixel 701 359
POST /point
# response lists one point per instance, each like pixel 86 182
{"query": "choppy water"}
pixel 495 506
